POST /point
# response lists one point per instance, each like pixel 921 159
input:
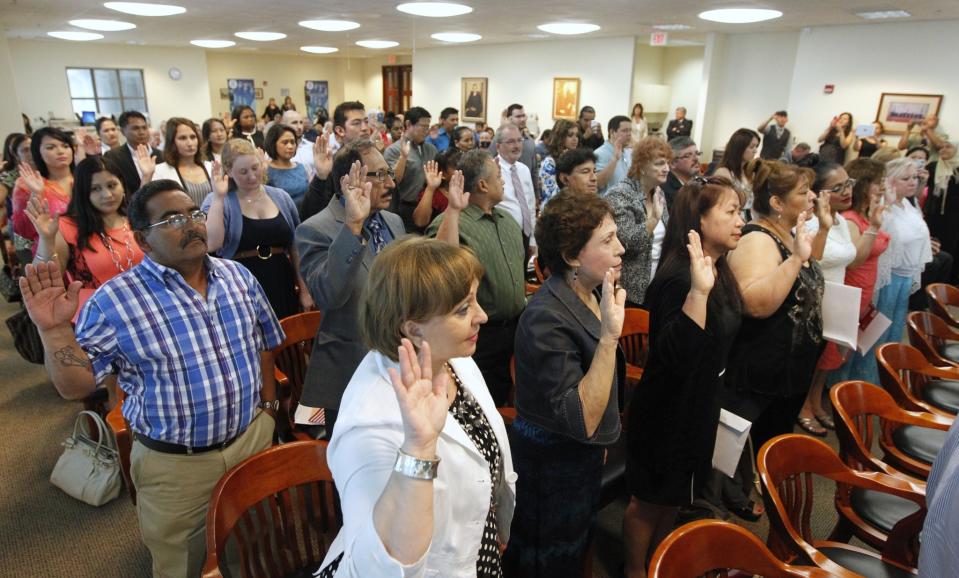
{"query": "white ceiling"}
pixel 498 21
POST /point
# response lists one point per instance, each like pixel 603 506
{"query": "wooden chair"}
pixel 291 358
pixel 934 338
pixel 124 436
pixel 704 546
pixel 870 515
pixel 280 506
pixel 534 286
pixel 786 465
pixel 913 382
pixel 941 297
pixel 635 343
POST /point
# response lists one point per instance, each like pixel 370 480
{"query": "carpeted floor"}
pixel 45 533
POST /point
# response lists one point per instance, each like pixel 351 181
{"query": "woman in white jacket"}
pixel 184 159
pixel 420 455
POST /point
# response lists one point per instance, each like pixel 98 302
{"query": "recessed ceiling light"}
pixel 881 14
pixel 671 27
pixel 538 36
pixel 319 49
pixel 261 36
pixel 330 25
pixel 74 35
pixel 739 15
pixel 103 25
pixel 434 9
pixel 377 43
pixel 141 9
pixel 455 36
pixel 568 28
pixel 213 43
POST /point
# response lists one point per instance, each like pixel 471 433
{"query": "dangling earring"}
pixel 779 216
pixel 575 273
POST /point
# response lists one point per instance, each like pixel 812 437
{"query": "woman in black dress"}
pixel 695 310
pixel 942 204
pixel 837 139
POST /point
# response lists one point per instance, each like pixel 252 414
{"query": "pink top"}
pixel 56 199
pixel 96 264
pixel 864 276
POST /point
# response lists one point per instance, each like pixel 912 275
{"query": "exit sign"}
pixel 658 39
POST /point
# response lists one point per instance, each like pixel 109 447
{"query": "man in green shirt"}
pixel 472 220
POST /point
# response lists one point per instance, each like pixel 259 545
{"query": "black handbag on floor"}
pixel 26 338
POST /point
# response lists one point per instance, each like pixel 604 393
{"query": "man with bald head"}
pixel 304 150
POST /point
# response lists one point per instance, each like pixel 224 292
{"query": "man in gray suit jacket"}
pixel 337 247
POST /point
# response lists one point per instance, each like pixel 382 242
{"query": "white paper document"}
pixel 731 438
pixel 873 326
pixel 840 314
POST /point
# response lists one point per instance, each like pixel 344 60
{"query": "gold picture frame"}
pixel 566 98
pixel 897 110
pixel 474 101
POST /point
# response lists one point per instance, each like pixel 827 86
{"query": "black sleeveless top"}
pixel 777 355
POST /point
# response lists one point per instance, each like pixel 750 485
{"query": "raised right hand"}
pixel 147 162
pixel 802 243
pixel 31 179
pixel 701 272
pixel 48 302
pixel 433 176
pixel 458 199
pixel 423 398
pixel 228 122
pixel 322 157
pixel 405 144
pixel 38 211
pixel 356 192
pixel 876 209
pixel 612 307
pixel 221 181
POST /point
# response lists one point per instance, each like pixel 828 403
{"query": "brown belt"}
pixel 261 252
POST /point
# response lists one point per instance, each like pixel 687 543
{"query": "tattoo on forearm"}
pixel 68 358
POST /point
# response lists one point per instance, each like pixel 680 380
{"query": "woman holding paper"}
pixel 695 311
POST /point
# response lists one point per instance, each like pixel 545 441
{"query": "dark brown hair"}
pixel 566 225
pixel 775 179
pixel 556 144
pixel 867 173
pixel 170 154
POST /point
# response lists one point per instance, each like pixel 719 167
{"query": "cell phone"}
pixel 865 130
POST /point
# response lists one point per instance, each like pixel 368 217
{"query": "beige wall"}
pixel 10 120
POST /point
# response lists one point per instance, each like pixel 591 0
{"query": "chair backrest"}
pixel 787 464
pixel 701 547
pixel 291 358
pixel 904 372
pixel 281 508
pixel 929 334
pixel 941 296
pixel 541 274
pixel 634 338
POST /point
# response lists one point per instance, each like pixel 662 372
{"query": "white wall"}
pixel 524 73
pixel 39 68
pixel 10 120
pixel 683 73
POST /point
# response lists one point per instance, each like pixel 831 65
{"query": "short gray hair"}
pixel 505 127
pixel 679 143
pixel 475 166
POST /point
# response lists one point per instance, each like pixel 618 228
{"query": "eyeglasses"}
pixel 178 221
pixel 692 155
pixel 710 181
pixel 511 141
pixel 381 175
pixel 484 144
pixel 842 186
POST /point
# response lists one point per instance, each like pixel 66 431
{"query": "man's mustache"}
pixel 190 237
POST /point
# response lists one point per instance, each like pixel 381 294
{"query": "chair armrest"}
pixel 281 379
pixel 211 568
pixel 116 422
pixel 507 413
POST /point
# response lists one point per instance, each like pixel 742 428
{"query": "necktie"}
pixel 376 235
pixel 521 199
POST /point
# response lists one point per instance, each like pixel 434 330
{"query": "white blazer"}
pixel 166 171
pixel 367 436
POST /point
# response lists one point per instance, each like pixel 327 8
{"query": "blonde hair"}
pixel 413 279
pixel 234 149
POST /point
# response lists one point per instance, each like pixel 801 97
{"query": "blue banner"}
pixel 317 96
pixel 241 93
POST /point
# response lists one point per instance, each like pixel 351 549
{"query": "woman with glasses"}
pixel 864 218
pixel 564 137
pixel 837 254
pixel 740 150
pixel 92 242
pixel 639 208
pixel 910 248
pixel 253 223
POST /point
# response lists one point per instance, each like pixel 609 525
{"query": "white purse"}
pixel 88 470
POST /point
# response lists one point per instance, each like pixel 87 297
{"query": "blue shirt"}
pixel 442 140
pixel 604 156
pixel 190 367
pixel 939 555
pixel 295 181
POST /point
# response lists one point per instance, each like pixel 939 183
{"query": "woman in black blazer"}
pixel 695 309
pixel 569 375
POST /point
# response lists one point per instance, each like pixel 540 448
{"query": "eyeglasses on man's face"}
pixel 511 142
pixel 842 186
pixel 381 175
pixel 690 155
pixel 180 220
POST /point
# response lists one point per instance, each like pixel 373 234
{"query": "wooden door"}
pixel 397 87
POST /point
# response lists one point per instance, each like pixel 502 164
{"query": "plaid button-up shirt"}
pixel 190 367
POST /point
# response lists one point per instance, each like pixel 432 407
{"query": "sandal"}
pixel 749 512
pixel 826 421
pixel 811 426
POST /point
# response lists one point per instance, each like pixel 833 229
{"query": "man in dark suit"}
pixel 683 167
pixel 135 163
pixel 679 126
pixel 337 247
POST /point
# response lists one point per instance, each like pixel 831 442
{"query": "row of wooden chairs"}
pixel 879 499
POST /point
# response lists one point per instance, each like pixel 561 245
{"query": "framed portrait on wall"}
pixel 898 110
pixel 474 100
pixel 258 93
pixel 565 98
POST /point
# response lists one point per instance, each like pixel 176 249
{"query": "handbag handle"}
pixel 104 436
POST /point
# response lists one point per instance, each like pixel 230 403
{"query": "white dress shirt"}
pixel 304 156
pixel 511 201
pixel 136 163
